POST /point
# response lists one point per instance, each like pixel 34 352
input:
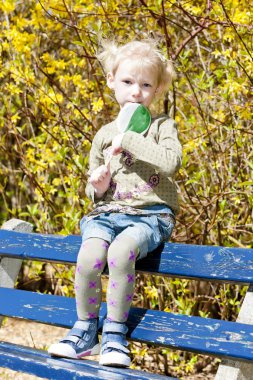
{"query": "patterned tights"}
pixel 92 258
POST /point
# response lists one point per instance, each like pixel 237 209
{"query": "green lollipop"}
pixel 134 117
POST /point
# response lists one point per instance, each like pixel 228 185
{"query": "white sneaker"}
pixel 82 340
pixel 114 351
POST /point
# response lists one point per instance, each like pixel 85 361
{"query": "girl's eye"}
pixel 147 85
pixel 126 81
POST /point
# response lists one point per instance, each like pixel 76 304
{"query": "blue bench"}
pixel 230 341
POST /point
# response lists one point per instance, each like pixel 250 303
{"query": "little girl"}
pixel 135 203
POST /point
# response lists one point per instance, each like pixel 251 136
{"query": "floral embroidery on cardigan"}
pixel 154 180
pixel 136 192
pixel 128 158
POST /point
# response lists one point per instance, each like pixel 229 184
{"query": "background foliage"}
pixel 53 98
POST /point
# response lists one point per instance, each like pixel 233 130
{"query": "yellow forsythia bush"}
pixel 53 99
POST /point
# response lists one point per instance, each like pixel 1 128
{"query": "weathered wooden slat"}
pixel 204 335
pixel 39 363
pixel 177 260
pixel 33 246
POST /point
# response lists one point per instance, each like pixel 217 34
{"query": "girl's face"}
pixel 133 83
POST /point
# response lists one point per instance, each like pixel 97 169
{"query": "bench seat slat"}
pixel 177 260
pixel 203 335
pixel 39 363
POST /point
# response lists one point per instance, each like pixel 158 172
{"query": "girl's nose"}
pixel 136 90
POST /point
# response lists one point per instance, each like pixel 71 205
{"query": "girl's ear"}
pixel 159 90
pixel 110 80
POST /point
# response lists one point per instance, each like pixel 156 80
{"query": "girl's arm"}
pixel 164 154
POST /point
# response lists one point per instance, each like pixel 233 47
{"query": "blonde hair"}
pixel 145 51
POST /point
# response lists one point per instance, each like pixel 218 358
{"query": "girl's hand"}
pixel 100 179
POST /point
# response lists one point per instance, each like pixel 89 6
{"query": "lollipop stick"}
pixel 108 160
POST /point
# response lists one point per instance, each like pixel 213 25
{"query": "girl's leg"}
pixel 122 255
pixel 91 261
pixel 82 339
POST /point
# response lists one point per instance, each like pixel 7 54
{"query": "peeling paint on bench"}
pixel 175 260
